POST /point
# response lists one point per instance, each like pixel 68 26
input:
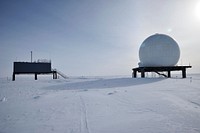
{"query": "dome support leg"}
pixel 184 73
pixel 134 74
pixel 142 74
pixel 169 74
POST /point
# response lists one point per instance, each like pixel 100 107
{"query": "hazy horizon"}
pixel 94 38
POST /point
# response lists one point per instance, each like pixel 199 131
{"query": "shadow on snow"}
pixel 105 83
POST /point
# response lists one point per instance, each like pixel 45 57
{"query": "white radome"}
pixel 159 50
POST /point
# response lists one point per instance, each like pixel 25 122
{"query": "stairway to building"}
pixel 60 73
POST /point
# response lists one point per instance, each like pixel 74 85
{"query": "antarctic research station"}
pixel 158 53
pixel 37 68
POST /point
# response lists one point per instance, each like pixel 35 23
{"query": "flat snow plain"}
pixel 100 105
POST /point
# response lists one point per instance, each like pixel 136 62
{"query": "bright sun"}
pixel 197 10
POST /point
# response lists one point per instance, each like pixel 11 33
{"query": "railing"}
pixel 43 61
pixel 60 73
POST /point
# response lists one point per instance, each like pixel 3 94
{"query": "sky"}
pixel 94 37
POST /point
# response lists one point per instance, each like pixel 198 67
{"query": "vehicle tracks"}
pixel 84 126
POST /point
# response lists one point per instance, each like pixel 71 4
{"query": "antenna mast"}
pixel 31 56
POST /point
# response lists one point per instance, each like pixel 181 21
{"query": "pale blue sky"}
pixel 94 37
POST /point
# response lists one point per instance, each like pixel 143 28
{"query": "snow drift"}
pixel 96 105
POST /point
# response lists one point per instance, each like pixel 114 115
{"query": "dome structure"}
pixel 159 50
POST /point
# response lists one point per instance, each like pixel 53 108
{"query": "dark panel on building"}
pixel 32 67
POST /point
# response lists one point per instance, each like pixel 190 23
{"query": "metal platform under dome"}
pixel 157 70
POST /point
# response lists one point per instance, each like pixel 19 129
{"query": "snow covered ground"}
pixel 100 105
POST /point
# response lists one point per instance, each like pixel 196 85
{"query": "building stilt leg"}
pixel 13 77
pixel 35 76
pixel 55 76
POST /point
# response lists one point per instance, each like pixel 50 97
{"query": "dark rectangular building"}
pixel 31 67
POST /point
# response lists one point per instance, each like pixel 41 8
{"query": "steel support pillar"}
pixel 142 74
pixel 13 77
pixel 134 74
pixel 184 72
pixel 35 76
pixel 55 76
pixel 169 74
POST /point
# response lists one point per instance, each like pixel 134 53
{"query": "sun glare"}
pixel 197 10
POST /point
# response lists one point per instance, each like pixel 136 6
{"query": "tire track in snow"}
pixel 84 127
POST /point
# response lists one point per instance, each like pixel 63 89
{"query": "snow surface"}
pixel 100 105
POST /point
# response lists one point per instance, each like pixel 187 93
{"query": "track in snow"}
pixel 84 127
